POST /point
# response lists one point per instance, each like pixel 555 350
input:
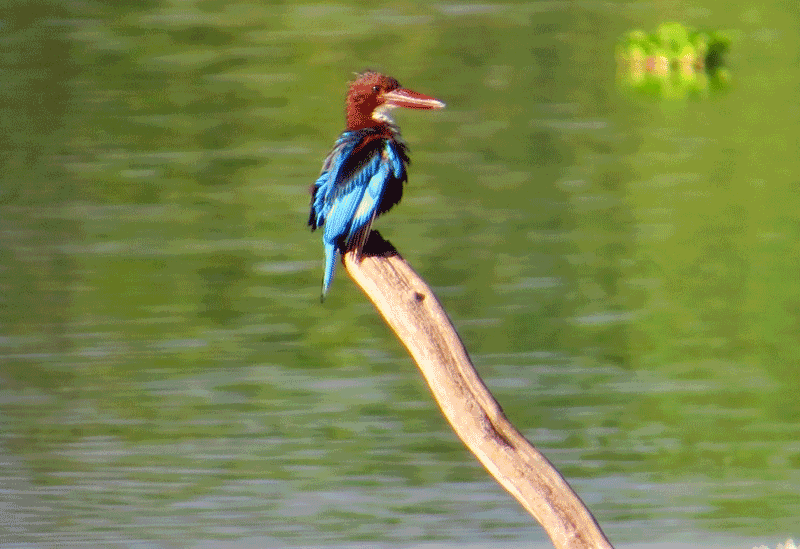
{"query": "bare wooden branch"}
pixel 410 308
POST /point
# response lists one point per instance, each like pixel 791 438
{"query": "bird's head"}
pixel 372 95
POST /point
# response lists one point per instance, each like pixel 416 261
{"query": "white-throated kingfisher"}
pixel 363 175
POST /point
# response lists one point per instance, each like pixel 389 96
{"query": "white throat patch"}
pixel 383 114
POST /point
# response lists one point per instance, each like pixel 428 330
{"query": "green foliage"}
pixel 675 61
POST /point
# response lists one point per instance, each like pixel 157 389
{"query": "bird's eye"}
pixel 376 89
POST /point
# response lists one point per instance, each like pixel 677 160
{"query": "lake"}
pixel 622 269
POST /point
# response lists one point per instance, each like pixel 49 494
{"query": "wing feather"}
pixel 361 178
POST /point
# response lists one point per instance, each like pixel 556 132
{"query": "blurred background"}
pixel 623 271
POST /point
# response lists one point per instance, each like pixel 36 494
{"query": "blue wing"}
pixel 352 190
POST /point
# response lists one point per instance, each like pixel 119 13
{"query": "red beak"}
pixel 402 97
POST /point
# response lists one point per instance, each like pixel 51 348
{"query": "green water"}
pixel 623 272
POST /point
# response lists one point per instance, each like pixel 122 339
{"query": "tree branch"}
pixel 411 309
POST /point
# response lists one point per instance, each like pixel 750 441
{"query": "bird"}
pixel 363 176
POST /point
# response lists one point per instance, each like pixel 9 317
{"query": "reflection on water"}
pixel 623 275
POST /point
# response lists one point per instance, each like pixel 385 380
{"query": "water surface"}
pixel 623 272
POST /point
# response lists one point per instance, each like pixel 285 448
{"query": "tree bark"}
pixel 411 309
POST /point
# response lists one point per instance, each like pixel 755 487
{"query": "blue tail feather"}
pixel 331 255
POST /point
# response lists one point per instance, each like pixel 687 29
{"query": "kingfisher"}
pixel 363 176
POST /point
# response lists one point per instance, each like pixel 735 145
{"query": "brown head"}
pixel 372 95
